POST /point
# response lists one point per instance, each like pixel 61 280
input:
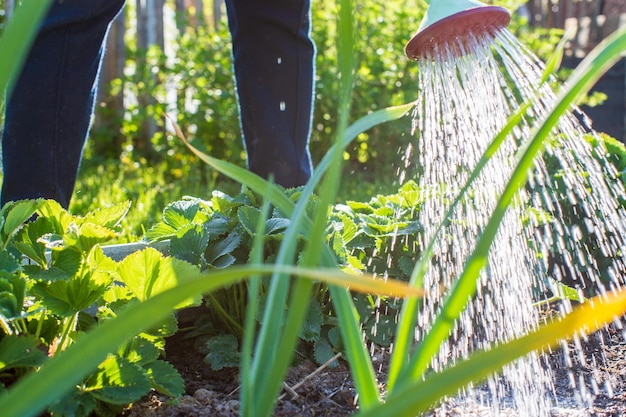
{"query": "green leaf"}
pixel 74 404
pixel 224 261
pixel 108 217
pixel 312 325
pixel 322 351
pixel 180 213
pixel 381 330
pixel 9 307
pixel 147 273
pixel 159 231
pixel 165 328
pixel 223 352
pixel 20 351
pixel 248 217
pixel 223 203
pixel 27 240
pixel 78 293
pixel 140 351
pixel 8 262
pixel 165 378
pixel 68 261
pixel 17 215
pixel 217 225
pixel 563 291
pixel 118 381
pixel 190 243
pixel 58 218
pixel 86 236
pixel 276 225
pixel 221 248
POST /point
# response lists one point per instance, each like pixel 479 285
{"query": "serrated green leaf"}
pixel 8 305
pixel 276 225
pixel 17 215
pixel 406 265
pixel 166 328
pixel 140 351
pixel 180 213
pixel 117 293
pixel 334 338
pixel 159 231
pixel 220 248
pixel 190 243
pixel 349 229
pixel 223 352
pixel 87 235
pixel 563 291
pixel 312 325
pixel 27 240
pixel 359 207
pixel 74 404
pixel 165 378
pixel 147 273
pixel 108 217
pixel 375 225
pixel 323 352
pixel 224 261
pixel 58 218
pixel 381 330
pixel 118 381
pixel 8 262
pixel 223 203
pixel 217 225
pixel 37 273
pixel 355 263
pixel 20 351
pixel 248 218
pixel 67 260
pixel 67 297
pixel 54 297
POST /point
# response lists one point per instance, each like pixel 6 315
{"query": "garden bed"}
pixel 330 392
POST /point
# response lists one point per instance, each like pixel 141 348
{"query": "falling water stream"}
pixel 463 103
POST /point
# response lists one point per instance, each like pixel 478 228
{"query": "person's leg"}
pixel 274 68
pixel 49 109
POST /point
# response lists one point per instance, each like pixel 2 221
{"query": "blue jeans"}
pixel 49 108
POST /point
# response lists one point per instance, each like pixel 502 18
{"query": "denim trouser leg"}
pixel 50 107
pixel 274 67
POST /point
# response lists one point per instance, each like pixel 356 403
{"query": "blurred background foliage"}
pixel 173 56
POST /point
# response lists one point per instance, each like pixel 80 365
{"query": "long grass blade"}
pixel 421 395
pixel 17 38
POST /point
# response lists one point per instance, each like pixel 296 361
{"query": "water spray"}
pixel 449 23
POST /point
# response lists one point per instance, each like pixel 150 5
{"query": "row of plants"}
pixel 96 364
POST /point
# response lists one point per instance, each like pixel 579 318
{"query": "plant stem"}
pixel 68 325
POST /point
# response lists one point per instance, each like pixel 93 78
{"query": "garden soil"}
pixel 330 392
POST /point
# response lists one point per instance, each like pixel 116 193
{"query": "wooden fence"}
pixel 590 20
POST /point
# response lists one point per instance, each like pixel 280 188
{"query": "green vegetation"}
pixel 270 263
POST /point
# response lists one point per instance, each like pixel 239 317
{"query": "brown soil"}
pixel 330 392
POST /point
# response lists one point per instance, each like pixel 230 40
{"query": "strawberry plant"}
pixel 56 283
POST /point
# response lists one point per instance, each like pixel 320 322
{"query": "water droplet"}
pixel 282 106
pixel 279 60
